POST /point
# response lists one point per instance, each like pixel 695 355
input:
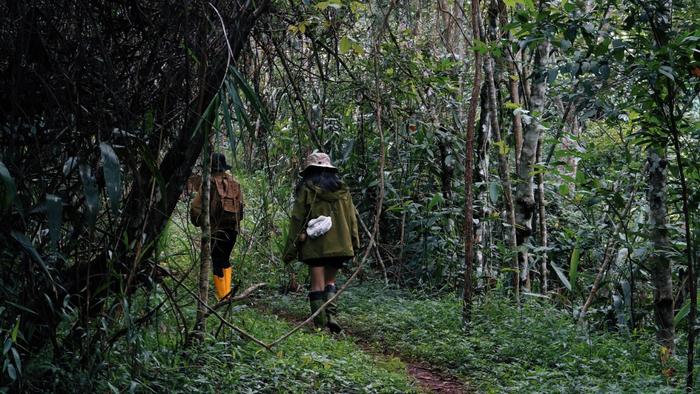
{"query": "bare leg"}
pixel 329 275
pixel 317 278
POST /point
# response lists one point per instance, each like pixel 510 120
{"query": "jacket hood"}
pixel 329 196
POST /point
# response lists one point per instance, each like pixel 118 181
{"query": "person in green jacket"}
pixel 323 232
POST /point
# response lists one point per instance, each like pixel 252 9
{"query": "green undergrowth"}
pixel 535 349
pixel 307 362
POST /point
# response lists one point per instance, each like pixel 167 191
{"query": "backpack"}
pixel 226 208
pixel 227 202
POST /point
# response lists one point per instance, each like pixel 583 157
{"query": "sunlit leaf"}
pixel 344 45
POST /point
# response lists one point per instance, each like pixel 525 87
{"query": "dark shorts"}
pixel 332 262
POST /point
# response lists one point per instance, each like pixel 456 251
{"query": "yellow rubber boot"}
pixel 227 280
pixel 222 284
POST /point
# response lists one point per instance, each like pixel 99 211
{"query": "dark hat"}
pixel 218 163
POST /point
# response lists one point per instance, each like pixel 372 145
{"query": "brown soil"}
pixel 435 382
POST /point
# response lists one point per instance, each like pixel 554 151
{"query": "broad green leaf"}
pixel 11 372
pixel 252 97
pixel 15 331
pixel 238 106
pixel 684 311
pixel 356 7
pixel 9 190
pixel 358 48
pixel 113 176
pixel 54 214
pixel 494 191
pixel 480 47
pixel 573 265
pixel 344 45
pixel 561 275
pixel 511 105
pixel 31 250
pixel 18 361
pixel 437 199
pixel 564 189
pixel 92 200
pixel 323 5
pixel 503 148
pixel 667 71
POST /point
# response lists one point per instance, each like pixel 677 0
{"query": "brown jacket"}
pixel 217 221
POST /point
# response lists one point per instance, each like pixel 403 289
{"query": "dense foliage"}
pixel 584 166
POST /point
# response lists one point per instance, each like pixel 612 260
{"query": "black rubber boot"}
pixel 331 310
pixel 316 299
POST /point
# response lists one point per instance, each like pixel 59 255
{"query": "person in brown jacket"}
pixel 225 213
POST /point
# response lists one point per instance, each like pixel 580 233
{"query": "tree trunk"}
pixel 541 204
pixel 504 173
pixel 468 170
pixel 524 194
pixel 660 263
pixel 205 244
pixel 483 147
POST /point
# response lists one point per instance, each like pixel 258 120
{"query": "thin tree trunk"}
pixel 468 170
pixel 690 256
pixel 504 173
pixel 484 144
pixel 541 204
pixel 205 245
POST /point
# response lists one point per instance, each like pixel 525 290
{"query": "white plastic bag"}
pixel 318 226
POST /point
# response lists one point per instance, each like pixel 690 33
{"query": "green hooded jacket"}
pixel 342 240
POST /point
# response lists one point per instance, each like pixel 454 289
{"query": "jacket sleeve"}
pixel 296 224
pixel 196 209
pixel 355 233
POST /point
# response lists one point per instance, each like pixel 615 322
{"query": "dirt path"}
pixel 435 382
pixel 428 379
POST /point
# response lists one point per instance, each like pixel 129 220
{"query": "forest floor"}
pixel 427 377
pixel 537 348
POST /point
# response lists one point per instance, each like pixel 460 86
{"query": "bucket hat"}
pixel 319 159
